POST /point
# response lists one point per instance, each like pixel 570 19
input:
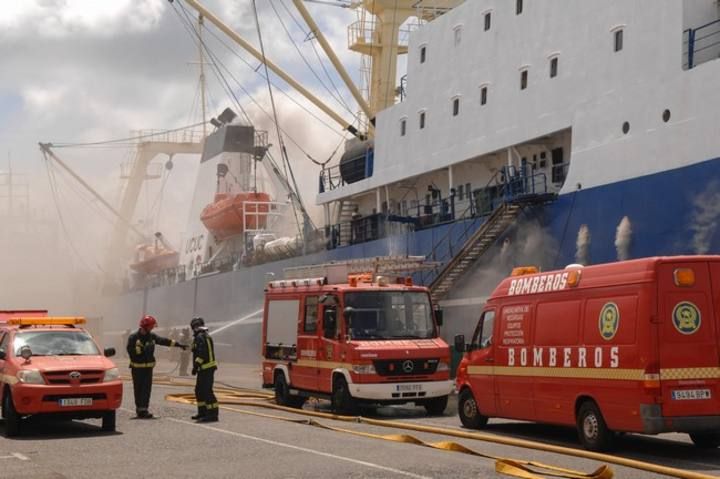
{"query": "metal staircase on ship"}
pixel 459 250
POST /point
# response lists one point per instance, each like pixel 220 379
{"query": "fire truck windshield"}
pixel 390 315
pixel 56 343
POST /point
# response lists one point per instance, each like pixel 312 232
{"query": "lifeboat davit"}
pixel 150 259
pixel 230 215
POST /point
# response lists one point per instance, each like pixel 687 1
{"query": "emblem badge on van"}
pixel 609 321
pixel 686 317
pixel 408 366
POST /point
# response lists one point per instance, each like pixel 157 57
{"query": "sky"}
pixel 77 71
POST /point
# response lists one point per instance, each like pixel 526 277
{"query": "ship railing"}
pixel 168 136
pixel 701 44
pixel 330 179
pixel 366 33
pixel 263 216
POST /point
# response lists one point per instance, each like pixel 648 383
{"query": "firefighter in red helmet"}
pixel 141 351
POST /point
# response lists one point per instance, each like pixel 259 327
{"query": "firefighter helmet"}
pixel 197 322
pixel 148 323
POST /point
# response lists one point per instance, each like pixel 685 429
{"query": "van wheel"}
pixel 342 400
pixel 468 411
pixel 592 430
pixel 436 406
pixel 705 440
pixel 12 418
pixel 108 421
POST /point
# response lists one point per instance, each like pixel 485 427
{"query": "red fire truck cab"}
pixel 51 366
pixel 362 339
pixel 632 346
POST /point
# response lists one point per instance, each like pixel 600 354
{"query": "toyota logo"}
pixel 75 375
pixel 408 366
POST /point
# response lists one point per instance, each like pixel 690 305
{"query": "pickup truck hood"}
pixel 64 363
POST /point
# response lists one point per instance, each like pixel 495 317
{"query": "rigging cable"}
pixel 123 140
pixel 332 94
pixel 53 189
pixel 283 151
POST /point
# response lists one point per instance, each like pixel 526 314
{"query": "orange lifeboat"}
pixel 151 259
pixel 230 215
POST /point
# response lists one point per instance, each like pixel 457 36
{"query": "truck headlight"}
pixel 111 374
pixel 443 366
pixel 363 369
pixel 30 376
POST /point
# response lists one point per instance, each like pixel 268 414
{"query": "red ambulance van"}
pixel 354 339
pixel 632 346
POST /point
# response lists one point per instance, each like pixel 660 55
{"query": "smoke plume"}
pixel 582 251
pixel 622 239
pixel 706 214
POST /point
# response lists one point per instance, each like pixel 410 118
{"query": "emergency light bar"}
pixel 294 283
pixel 47 321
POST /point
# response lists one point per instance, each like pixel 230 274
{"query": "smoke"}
pixel 623 237
pixel 704 221
pixel 582 251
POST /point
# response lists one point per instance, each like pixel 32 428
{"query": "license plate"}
pixel 76 402
pixel 682 394
pixel 408 387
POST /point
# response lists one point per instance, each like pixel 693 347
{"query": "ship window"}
pixel 666 116
pixel 523 79
pixel 626 127
pixel 618 40
pixel 422 120
pixel 311 314
pixel 488 19
pixel 483 95
pixel 456 107
pixel 460 191
pixel 423 54
pixel 403 127
pixel 468 191
pixel 457 34
pixel 518 7
pixel 553 67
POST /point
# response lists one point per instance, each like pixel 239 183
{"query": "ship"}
pixel 544 132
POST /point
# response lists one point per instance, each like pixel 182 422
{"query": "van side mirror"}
pixel 2 354
pixel 439 317
pixel 109 352
pixel 348 312
pixel 460 343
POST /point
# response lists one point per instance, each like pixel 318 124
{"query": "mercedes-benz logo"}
pixel 408 366
pixel 75 375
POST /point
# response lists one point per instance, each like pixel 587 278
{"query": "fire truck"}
pixel 632 346
pixel 51 366
pixel 355 332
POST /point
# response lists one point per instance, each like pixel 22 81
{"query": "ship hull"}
pixel 674 212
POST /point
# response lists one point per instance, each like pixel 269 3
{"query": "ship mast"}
pixel 202 76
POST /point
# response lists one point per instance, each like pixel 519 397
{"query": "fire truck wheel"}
pixel 108 421
pixel 282 395
pixel 12 418
pixel 468 410
pixel 342 401
pixel 705 440
pixel 436 406
pixel 592 430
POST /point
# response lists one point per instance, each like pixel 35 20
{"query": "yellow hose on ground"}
pixel 240 396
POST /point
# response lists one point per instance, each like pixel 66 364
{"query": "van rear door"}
pixel 688 342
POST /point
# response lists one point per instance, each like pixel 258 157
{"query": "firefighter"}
pixel 141 351
pixel 204 366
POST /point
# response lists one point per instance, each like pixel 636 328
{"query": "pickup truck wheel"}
pixel 705 440
pixel 108 421
pixel 592 430
pixel 436 406
pixel 12 418
pixel 468 411
pixel 342 400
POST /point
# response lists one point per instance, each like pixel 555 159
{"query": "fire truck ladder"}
pixel 399 265
pixel 478 243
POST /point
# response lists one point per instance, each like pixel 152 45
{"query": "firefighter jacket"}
pixel 203 350
pixel 141 348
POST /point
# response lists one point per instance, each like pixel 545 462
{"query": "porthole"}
pixel 626 127
pixel 666 116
